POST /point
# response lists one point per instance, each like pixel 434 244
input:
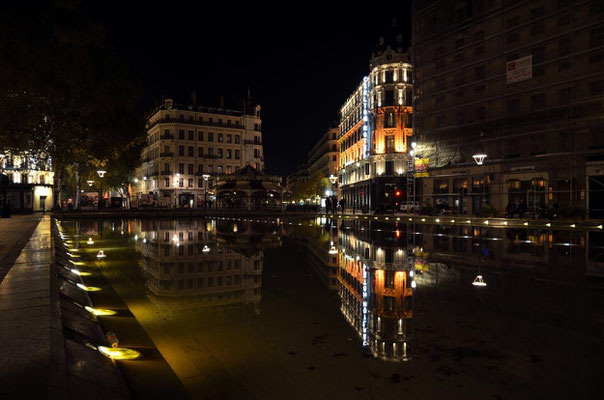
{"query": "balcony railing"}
pixel 166 136
pixel 193 122
pixel 166 172
pixel 169 154
pixel 259 143
pixel 211 156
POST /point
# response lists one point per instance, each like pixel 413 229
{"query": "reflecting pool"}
pixel 274 308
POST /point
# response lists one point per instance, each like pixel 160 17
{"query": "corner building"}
pixel 186 142
pixel 375 126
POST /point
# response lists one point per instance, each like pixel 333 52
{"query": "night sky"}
pixel 300 61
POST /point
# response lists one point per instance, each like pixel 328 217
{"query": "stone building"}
pixel 375 126
pixel 520 82
pixel 26 182
pixel 189 146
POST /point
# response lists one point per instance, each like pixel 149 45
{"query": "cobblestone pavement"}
pixel 14 234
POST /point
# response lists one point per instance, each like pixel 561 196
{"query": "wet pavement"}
pixel 271 308
pixel 14 234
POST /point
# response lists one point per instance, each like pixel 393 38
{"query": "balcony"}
pixel 154 173
pixel 259 143
pixel 166 136
pixel 166 173
pixel 211 156
pixel 169 154
pixel 147 159
pixel 192 122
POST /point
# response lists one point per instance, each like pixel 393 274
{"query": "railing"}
pixel 193 122
pixel 170 154
pixel 211 156
pixel 166 136
pixel 154 173
pixel 259 143
pixel 166 173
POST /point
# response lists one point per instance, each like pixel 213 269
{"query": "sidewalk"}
pixel 14 234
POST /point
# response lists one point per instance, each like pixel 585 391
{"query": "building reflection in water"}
pixel 373 276
pixel 204 263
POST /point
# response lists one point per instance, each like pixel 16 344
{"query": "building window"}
pixel 190 182
pixel 191 167
pixel 167 182
pixel 538 101
pixel 389 120
pixel 597 88
pixel 181 168
pixel 219 153
pixel 191 136
pixel 512 37
pixel 564 96
pixel 191 151
pixel 200 152
pixel 237 139
pixel 228 153
pixel 181 133
pixel 181 150
pixel 220 138
pixel 229 169
pixel 219 169
pixel 229 137
pixel 200 136
pixel 237 154
pixel 181 182
pixel 200 183
pixel 257 153
pixel 210 136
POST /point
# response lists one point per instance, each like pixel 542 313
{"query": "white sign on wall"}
pixel 519 69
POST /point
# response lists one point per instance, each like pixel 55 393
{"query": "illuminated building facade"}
pixel 375 127
pixel 26 182
pixel 376 290
pixel 186 142
pixel 521 82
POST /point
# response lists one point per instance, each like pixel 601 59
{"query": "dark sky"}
pixel 300 60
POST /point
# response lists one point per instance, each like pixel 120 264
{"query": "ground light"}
pixel 88 288
pixel 205 249
pixel 101 254
pixel 75 271
pixel 100 311
pixel 479 281
pixel 90 241
pixel 119 353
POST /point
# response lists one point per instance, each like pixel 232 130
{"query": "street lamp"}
pixel 205 192
pixel 479 159
pixel 101 173
pixel 90 183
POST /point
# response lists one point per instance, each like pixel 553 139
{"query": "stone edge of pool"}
pixel 37 358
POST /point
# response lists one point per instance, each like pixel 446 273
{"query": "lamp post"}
pixel 101 174
pixel 333 180
pixel 205 192
pixel 479 159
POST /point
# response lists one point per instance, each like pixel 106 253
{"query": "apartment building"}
pixel 189 146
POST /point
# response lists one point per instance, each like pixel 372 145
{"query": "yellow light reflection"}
pixel 100 311
pixel 119 353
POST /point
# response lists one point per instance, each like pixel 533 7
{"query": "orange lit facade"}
pixel 375 130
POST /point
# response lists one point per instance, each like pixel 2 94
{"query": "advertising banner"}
pixel 520 69
pixel 421 167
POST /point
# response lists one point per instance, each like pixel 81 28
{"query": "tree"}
pixel 62 90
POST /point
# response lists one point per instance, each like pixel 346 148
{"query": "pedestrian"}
pixel 327 205
pixel 343 205
pixel 509 210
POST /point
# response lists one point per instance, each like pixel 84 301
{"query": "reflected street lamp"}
pixel 479 159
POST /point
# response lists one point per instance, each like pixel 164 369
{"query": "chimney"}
pixel 221 101
pixel 194 97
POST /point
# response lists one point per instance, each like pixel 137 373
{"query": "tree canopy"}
pixel 63 91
